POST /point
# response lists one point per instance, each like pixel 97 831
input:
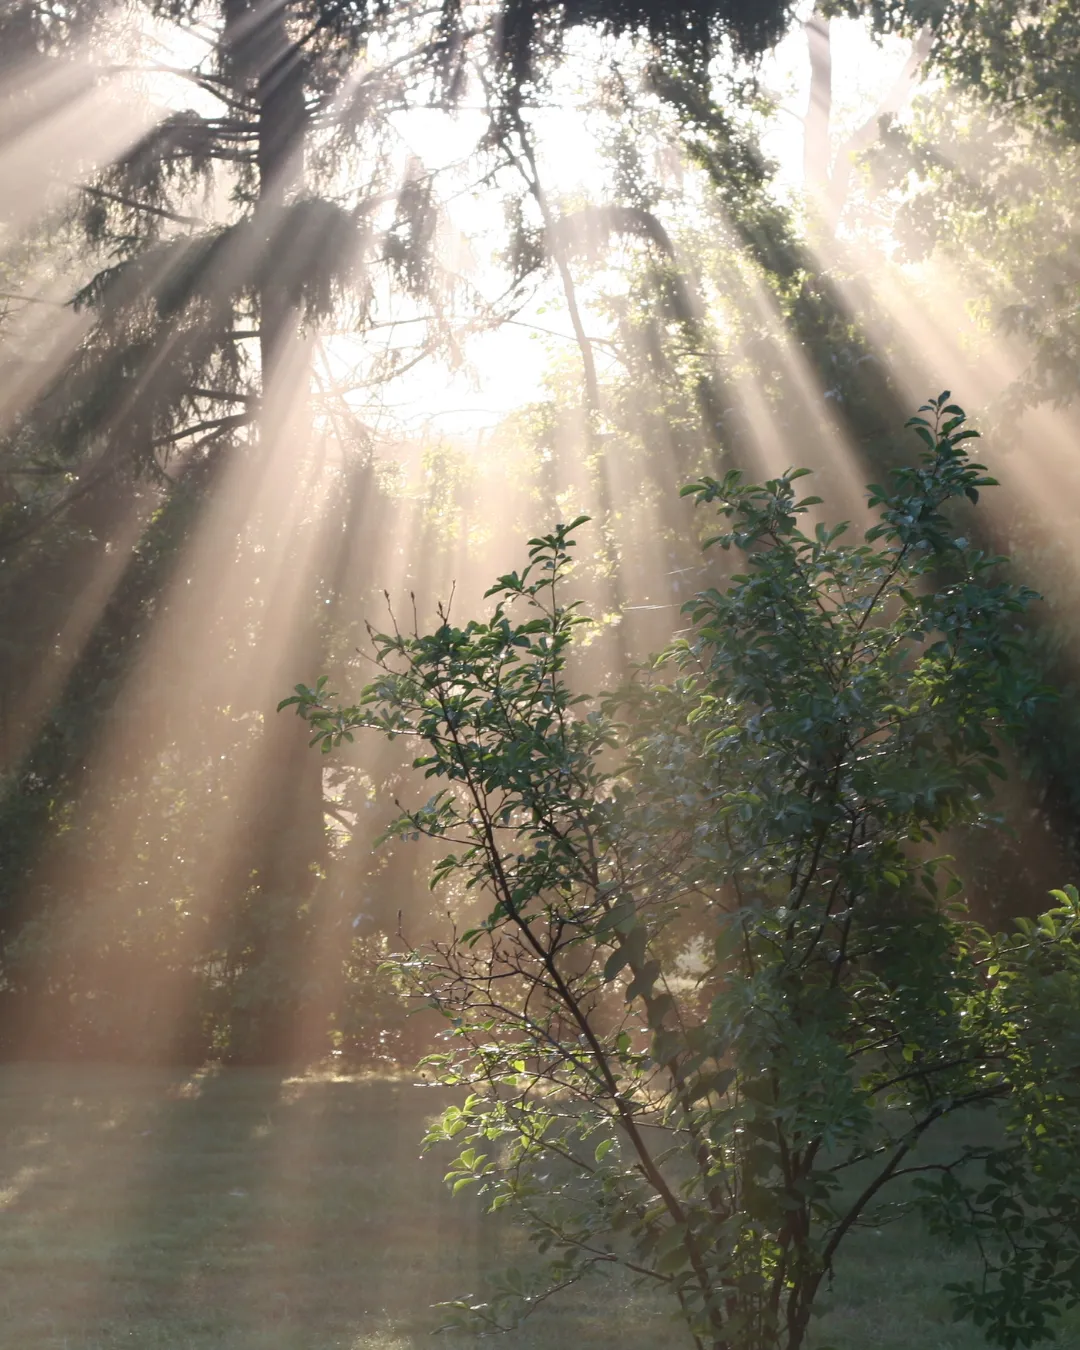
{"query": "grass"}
pixel 250 1211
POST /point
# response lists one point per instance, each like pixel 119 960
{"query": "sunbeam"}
pixel 316 320
pixel 65 121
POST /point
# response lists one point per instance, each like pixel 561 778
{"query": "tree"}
pixel 826 176
pixel 269 206
pixel 282 117
pixel 716 1011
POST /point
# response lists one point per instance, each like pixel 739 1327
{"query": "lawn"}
pixel 252 1211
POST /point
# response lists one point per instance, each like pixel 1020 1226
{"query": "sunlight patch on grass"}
pixel 14 1187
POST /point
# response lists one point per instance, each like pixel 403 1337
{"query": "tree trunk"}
pixel 817 126
pixel 286 840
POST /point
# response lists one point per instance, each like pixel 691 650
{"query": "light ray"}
pixel 71 123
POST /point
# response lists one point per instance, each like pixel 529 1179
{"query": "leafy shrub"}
pixel 726 994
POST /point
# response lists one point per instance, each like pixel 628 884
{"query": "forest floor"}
pixel 249 1210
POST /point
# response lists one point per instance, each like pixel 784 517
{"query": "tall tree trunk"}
pixel 287 839
pixel 817 125
pixel 827 177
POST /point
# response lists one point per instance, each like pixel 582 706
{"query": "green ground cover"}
pixel 251 1211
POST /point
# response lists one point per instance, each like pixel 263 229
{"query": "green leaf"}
pixel 643 981
pixel 615 963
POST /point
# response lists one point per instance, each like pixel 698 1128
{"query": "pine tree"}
pixel 268 204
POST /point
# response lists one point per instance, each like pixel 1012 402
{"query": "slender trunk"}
pixel 827 177
pixel 525 162
pixel 679 287
pixel 818 123
pixel 865 135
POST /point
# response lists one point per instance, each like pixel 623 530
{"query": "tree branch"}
pixel 104 195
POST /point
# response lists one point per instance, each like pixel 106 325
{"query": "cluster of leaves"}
pixel 715 1007
pixel 687 35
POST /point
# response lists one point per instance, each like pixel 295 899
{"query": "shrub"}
pixel 726 994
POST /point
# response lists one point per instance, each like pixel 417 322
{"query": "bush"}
pixel 725 988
